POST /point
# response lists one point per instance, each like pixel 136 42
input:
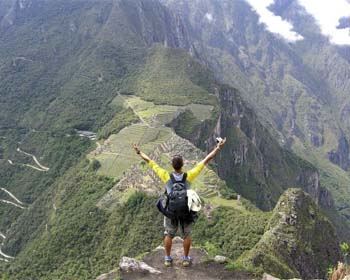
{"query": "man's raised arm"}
pixel 213 153
pixel 141 154
pixel 162 173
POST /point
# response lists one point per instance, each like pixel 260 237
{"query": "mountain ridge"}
pixel 94 56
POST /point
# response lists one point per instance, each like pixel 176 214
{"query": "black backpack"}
pixel 177 198
pixel 174 205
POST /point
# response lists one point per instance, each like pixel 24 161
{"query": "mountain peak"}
pixel 299 240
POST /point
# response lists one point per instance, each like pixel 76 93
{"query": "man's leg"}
pixel 168 241
pixel 170 228
pixel 187 245
pixel 187 228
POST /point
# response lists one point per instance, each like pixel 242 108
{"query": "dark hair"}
pixel 177 162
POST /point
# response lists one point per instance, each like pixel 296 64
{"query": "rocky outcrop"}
pixel 299 242
pixel 128 265
pixel 220 259
pixel 152 267
pixel 341 156
pixel 311 180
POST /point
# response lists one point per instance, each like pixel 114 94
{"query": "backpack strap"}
pixel 172 178
pixel 184 177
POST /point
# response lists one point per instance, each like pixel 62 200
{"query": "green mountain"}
pixel 298 90
pixel 293 243
pixel 83 80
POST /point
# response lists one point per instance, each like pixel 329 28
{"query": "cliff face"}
pixel 295 88
pixel 341 155
pixel 154 23
pixel 253 163
pixel 299 241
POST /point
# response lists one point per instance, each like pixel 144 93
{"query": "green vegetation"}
pixel 57 150
pixel 80 242
pixel 186 123
pixel 230 232
pixel 120 120
pixel 88 242
pixel 171 77
pixel 88 65
pixel 345 250
pixel 297 234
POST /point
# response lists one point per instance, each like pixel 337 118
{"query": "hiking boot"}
pixel 168 261
pixel 186 261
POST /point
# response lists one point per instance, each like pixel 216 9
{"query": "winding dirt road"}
pixel 6 257
pixel 12 203
pixel 12 195
pixel 44 168
pixel 18 203
pixel 39 166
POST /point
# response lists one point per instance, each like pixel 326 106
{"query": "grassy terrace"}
pixel 117 158
pixel 116 155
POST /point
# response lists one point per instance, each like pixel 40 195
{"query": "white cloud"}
pixel 209 17
pixel 327 14
pixel 273 22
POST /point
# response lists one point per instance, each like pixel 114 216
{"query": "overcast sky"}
pixel 326 13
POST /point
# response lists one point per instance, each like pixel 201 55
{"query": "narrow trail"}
pixel 35 159
pixel 19 204
pixel 28 165
pixel 12 203
pixel 34 167
pixel 118 154
pixel 6 257
pixel 143 121
pixel 39 166
pixel 12 195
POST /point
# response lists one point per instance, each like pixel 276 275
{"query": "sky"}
pixel 326 13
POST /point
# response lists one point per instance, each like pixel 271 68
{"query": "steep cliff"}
pixel 253 163
pixel 299 240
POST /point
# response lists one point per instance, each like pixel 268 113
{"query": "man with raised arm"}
pixel 169 178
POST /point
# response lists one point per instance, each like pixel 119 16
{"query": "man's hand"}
pixel 141 154
pixel 136 148
pixel 213 153
pixel 221 143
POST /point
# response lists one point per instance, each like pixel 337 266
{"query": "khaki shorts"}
pixel 171 226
